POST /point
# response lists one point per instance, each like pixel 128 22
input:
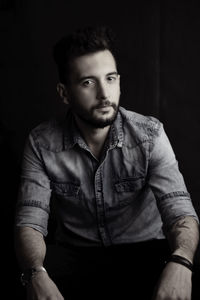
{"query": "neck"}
pixel 94 137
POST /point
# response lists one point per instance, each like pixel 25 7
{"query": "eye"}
pixel 111 78
pixel 87 82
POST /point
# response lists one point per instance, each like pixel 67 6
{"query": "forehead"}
pixel 93 64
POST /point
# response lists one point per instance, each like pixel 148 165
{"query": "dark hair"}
pixel 81 42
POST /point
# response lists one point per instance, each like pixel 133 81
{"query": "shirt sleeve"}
pixel 34 192
pixel 167 182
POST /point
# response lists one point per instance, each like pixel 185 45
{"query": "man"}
pixel 112 181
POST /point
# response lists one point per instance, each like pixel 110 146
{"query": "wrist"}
pixel 30 273
pixel 184 254
pixel 180 260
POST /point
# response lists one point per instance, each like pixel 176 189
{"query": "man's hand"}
pixel 43 288
pixel 175 283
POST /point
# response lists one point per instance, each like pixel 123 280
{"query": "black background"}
pixel 159 53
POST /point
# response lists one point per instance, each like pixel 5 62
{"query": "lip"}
pixel 104 108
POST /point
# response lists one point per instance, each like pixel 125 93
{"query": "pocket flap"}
pixel 66 188
pixel 129 184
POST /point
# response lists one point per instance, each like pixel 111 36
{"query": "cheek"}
pixel 82 100
pixel 116 92
pixel 87 97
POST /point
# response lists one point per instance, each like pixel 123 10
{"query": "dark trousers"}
pixel 124 271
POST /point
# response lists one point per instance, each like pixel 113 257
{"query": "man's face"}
pixel 94 89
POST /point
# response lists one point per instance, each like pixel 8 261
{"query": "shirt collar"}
pixel 72 136
pixel 116 134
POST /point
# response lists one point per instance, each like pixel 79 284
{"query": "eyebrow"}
pixel 94 77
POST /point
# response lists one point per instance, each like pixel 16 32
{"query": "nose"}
pixel 102 91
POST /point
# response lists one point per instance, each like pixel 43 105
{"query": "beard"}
pixel 89 118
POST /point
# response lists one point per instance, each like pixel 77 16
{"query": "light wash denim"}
pixel 133 193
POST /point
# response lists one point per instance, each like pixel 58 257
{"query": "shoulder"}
pixel 141 127
pixel 48 135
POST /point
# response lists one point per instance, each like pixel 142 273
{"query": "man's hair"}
pixel 83 41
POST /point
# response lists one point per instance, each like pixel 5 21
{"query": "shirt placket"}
pixel 98 184
pixel 102 226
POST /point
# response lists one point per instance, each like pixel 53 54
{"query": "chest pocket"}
pixel 67 202
pixel 127 190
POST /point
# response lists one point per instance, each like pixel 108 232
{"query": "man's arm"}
pixel 184 237
pixel 30 250
pixel 30 247
pixel 176 280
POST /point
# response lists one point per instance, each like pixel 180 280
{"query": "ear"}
pixel 62 91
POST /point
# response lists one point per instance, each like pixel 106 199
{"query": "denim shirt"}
pixel 133 193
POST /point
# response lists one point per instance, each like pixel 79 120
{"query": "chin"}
pixel 99 120
pixel 102 123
